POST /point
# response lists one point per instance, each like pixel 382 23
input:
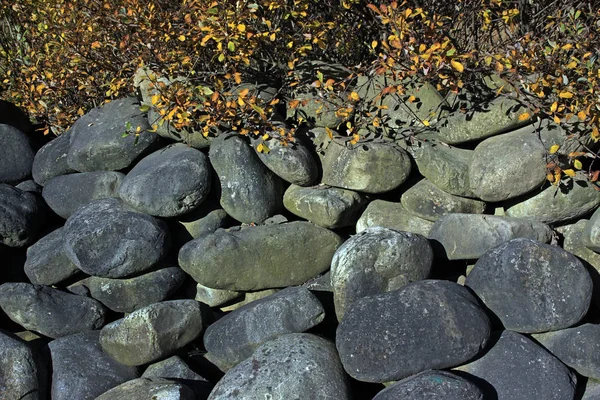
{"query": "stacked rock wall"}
pixel 135 266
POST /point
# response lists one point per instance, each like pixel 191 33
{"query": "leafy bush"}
pixel 60 58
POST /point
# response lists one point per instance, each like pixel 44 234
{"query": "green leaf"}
pixel 451 52
pixel 231 46
pixel 213 10
pixel 144 108
pixel 128 126
pixel 124 134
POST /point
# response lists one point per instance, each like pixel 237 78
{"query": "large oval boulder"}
pixel 169 182
pixel 260 257
pixel 294 366
pixel 250 192
pixel 47 263
pixel 394 216
pixel 531 286
pixel 106 239
pixel 51 159
pixel 105 138
pixel 377 260
pixel 234 337
pixel 149 388
pixel 49 311
pixel 66 193
pixel 20 374
pixel 533 373
pixel 16 155
pixel 21 216
pixel 373 167
pixel 424 325
pixel 469 236
pixel 152 332
pixel 82 370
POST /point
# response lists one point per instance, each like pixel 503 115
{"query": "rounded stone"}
pixel 16 155
pixel 21 216
pixel 51 159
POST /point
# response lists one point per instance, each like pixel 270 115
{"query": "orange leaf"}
pixel 96 45
pixel 523 116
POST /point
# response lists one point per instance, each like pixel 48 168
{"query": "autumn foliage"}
pixel 60 58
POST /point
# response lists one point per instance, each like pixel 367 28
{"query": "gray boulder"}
pixel 146 388
pixel 294 366
pixel 67 193
pixel 250 192
pixel 169 182
pixel 325 206
pixel 508 165
pixel 106 239
pixel 105 138
pixel 424 325
pixel 429 202
pixel 128 295
pixel 294 162
pixel 174 369
pixel 20 374
pixel 370 167
pixel 555 205
pixel 21 216
pixel 153 332
pixel 30 186
pixel 591 234
pixel 377 260
pixel 431 385
pixel 49 311
pixel 81 370
pixel 16 155
pixel 204 219
pixel 469 236
pixel 51 159
pixel 392 215
pixel 444 166
pixel 532 287
pixel 47 263
pixel 578 348
pixel 518 369
pixel 215 297
pixel 234 337
pixel 260 257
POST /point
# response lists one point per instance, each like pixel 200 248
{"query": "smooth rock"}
pixel 499 160
pixel 234 337
pixel 591 234
pixel 145 388
pixel 169 182
pixel 106 239
pixel 65 194
pixel 16 155
pixel 128 295
pixel 19 370
pixel 51 159
pixel 293 162
pixel 247 298
pixel 392 215
pixel 250 192
pixel 97 142
pixel 578 348
pixel 431 385
pixel 30 186
pixel 215 297
pixel 49 311
pixel 47 263
pixel 200 221
pixel 469 236
pixel 325 206
pixel 260 257
pixel 532 287
pixel 294 366
pixel 174 369
pixel 81 370
pixel 556 205
pixel 445 166
pixel 429 202
pixel 370 167
pixel 424 325
pixel 377 260
pixel 518 369
pixel 21 216
pixel 153 332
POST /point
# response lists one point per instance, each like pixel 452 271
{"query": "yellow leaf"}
pixel 523 116
pixel 181 38
pixel 241 102
pixel 376 122
pixel 354 96
pixel 259 148
pixel 237 77
pixel 554 148
pixel 272 39
pixel 554 106
pixel 265 136
pixel 411 99
pixel 577 164
pixel 329 133
pixel 556 119
pixel 425 122
pixel 595 134
pixel 241 28
pixel 565 95
pixel 572 65
pixel 567 46
pixel 154 99
pixel 581 115
pixel 374 43
pixel 221 57
pixel 457 66
pixel 569 172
